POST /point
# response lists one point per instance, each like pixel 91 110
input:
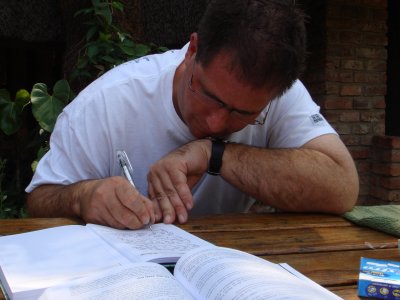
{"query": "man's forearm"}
pixel 54 201
pixel 291 179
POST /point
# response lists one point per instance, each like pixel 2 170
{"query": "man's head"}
pixel 245 54
pixel 266 40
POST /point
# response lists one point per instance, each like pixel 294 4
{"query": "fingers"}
pixel 136 210
pixel 116 203
pixel 172 195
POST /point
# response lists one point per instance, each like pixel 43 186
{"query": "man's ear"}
pixel 192 49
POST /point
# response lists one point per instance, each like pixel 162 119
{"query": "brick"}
pixel 371 52
pixel 387 141
pixel 353 12
pixel 350 37
pixel 373 116
pixel 374 26
pixel 361 128
pixel 332 75
pixel 331 115
pixel 387 155
pixel 363 166
pixel 340 51
pixel 378 128
pixel 374 39
pixel 388 169
pixel 346 76
pixel 342 128
pixel 351 139
pixel 386 195
pixel 334 102
pixel 366 140
pixel 350 90
pixel 362 103
pixel 350 116
pixel 333 63
pixel 369 77
pixel 360 152
pixel 390 183
pixel 375 65
pixel 374 90
pixel 376 3
pixel 391 156
pixel 336 24
pixel 379 14
pixel 352 64
pixel 332 88
pixel 378 102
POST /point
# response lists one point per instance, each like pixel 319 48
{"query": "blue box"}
pixel 379 279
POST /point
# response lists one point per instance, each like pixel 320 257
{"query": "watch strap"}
pixel 217 151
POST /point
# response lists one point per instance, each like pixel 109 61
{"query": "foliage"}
pixel 106 44
pixel 28 119
pixel 45 109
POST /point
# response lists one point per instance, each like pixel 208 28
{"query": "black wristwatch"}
pixel 217 151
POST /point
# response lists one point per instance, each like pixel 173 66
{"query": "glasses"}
pixel 246 117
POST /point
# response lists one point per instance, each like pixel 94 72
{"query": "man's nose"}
pixel 217 120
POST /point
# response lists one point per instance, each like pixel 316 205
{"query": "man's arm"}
pixel 318 177
pixel 111 201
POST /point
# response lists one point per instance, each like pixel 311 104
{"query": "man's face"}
pixel 212 101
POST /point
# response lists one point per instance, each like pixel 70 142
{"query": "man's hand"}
pixel 171 179
pixel 111 201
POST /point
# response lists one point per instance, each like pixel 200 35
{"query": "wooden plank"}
pixel 214 223
pixel 346 292
pixel 13 226
pixel 305 240
pixel 339 268
pixel 255 222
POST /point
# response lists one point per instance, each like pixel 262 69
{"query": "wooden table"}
pixel 325 248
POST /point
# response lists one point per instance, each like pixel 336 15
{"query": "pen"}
pixel 127 170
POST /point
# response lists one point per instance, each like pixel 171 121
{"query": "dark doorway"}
pixel 393 70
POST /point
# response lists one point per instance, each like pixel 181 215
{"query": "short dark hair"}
pixel 266 40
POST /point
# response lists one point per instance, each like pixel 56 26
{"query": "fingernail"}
pixel 182 219
pixel 146 221
pixel 167 219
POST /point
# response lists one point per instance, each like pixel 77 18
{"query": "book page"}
pixel 134 281
pixel 163 243
pixel 222 273
pixel 39 259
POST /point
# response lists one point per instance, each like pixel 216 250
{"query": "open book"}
pixel 202 273
pixel 33 261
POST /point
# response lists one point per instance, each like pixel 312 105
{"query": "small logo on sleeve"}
pixel 317 120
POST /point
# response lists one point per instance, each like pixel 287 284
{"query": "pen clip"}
pixel 126 166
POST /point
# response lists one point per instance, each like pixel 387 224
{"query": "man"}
pixel 235 80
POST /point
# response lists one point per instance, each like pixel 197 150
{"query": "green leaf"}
pixel 92 51
pixel 46 107
pixel 91 33
pixel 10 111
pixel 117 5
pixel 141 50
pixel 22 99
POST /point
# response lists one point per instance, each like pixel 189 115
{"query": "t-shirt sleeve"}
pixel 72 157
pixel 296 119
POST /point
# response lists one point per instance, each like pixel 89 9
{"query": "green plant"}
pixel 106 45
pixel 28 119
pixel 26 138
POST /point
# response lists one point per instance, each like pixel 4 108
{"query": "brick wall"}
pixel 385 177
pixel 350 81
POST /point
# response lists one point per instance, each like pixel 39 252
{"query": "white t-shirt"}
pixel 130 108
